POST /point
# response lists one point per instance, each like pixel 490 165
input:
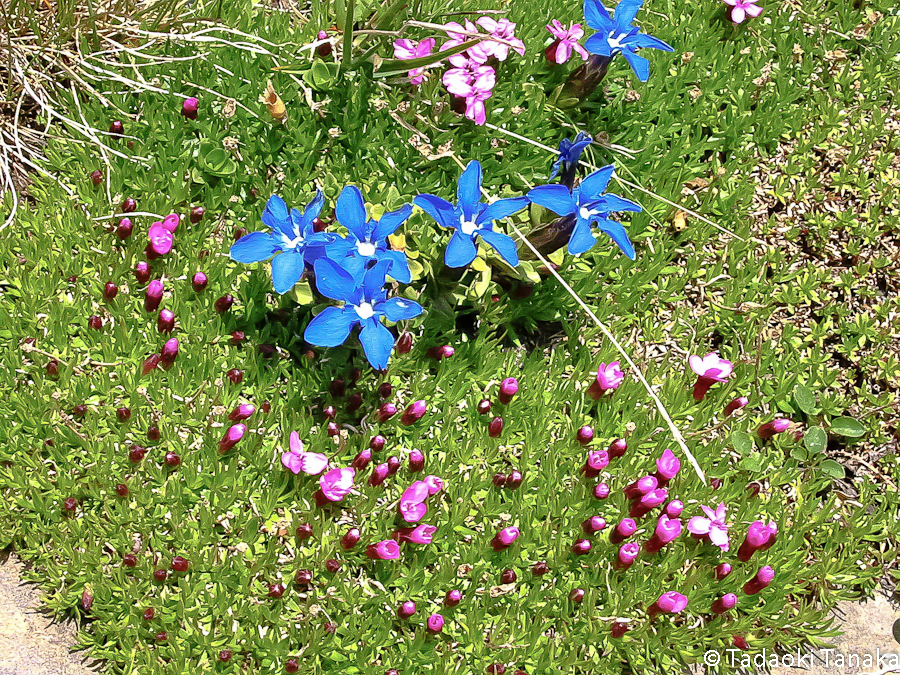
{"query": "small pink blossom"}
pixel 478 53
pixel 713 526
pixel 710 369
pixel 741 9
pixel 609 377
pixel 383 550
pixel 504 29
pixel 566 41
pixel 336 484
pixel 434 484
pixel 298 460
pixel 407 49
pixel 412 503
pixel 161 239
pixel 421 534
pixel 469 78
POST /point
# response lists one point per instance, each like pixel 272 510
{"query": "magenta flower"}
pixel 153 295
pixel 648 502
pixel 566 41
pixel 469 77
pixel 595 463
pixel 713 527
pixel 667 530
pixel 297 460
pixel 709 370
pixel 668 603
pixel 508 388
pixel 769 429
pixel 505 538
pixel 504 29
pixel 741 9
pixel 169 352
pixel 421 534
pixel 406 609
pixel 414 413
pixel 674 508
pixel 609 377
pixel 479 53
pixel 412 503
pixel 762 579
pixel 735 405
pixel 245 410
pixel 379 473
pixel 435 623
pixel 723 604
pixel 667 467
pixel 624 529
pixel 593 524
pixel 162 236
pixel 640 487
pixel 601 491
pixel 335 485
pixel 434 484
pixel 475 109
pixel 407 49
pixel 383 550
pixel 232 437
pixel 722 571
pixel 760 537
pixel 190 107
pixel 628 553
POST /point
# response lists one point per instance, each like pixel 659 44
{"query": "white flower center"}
pixel 292 243
pixel 467 226
pixel 365 310
pixel 587 213
pixel 365 248
pixel 614 41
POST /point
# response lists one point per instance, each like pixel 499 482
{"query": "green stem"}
pixel 348 33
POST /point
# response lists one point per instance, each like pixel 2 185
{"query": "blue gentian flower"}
pixel 617 35
pixel 365 303
pixel 470 218
pixel 293 236
pixel 367 242
pixel 590 207
pixel 569 154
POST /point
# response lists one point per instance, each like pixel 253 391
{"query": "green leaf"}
pixel 799 453
pixel 302 293
pixel 752 463
pixel 216 160
pixel 833 469
pixel 847 426
pixel 805 399
pixel 742 442
pixel 815 439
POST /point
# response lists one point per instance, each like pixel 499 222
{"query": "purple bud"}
pixel 150 364
pixel 361 461
pixel 110 291
pixel 231 438
pixel 197 214
pixel 722 571
pixel 199 282
pixel 190 107
pixel 777 426
pixel 624 529
pixel 153 295
pixel 667 467
pixel 129 205
pixel 386 411
pixel 224 303
pixel 640 487
pixel 393 464
pixel 735 405
pixel 669 603
pixel 617 448
pixel 601 491
pixel 595 463
pixel 484 407
pixel 332 566
pixel 649 501
pixel 581 547
pixel 332 429
pixel 495 427
pixel 116 128
pixel 723 604
pixel 593 524
pixel 169 351
pixel 166 321
pixel 350 539
pixel 124 228
pixel 379 474
pixel 508 388
pixel 762 579
pixel 626 556
pixel 377 443
pixel 406 609
pixel 513 480
pixel 585 435
pixel 674 508
pixel 505 538
pixel 414 413
pixel 242 412
pixel 96 177
pixel 142 272
pixel 667 530
pixel 416 460
pixel 576 595
pixel 435 623
pixel 385 390
pixel 508 577
pixel 499 480
pixel 453 598
pixel 404 343
pixel 52 368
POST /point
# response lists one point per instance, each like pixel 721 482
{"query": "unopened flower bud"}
pixel 414 413
pixel 453 598
pixel 585 435
pixel 484 407
pixel 350 539
pixel 190 108
pixel 242 412
pixel 617 448
pixel 581 547
pixel 601 491
pixel 735 405
pixel 110 291
pixel 153 295
pixel 762 579
pixel 165 323
pixel 404 343
pixel 232 437
pixel 361 461
pixel 777 426
pixel 386 411
pixel 624 529
pixel 377 443
pixel 508 388
pixel 199 282
pixel 593 524
pixel 224 303
pixel 416 460
pixel 379 474
pixel 124 228
pixel 495 427
pixel 513 480
pixel 142 272
pixel 406 609
pixel 723 604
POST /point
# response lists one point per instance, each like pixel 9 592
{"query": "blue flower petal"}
pixel 443 212
pixel 582 238
pixel 639 64
pixel 350 210
pixel 618 234
pixel 277 217
pixel 330 327
pixel 354 264
pixel 594 184
pixel 581 142
pixel 554 197
pixel 374 279
pixel 254 247
pixel 335 282
pixel 596 16
pixel 468 189
pixel 401 309
pixel 460 251
pixel 641 41
pixel 610 202
pixel 337 248
pixel 503 244
pixel 303 222
pixel 554 170
pixel 286 271
pixel 597 44
pixel 501 209
pixel 625 12
pixel 390 222
pixel 377 342
pixel 399 265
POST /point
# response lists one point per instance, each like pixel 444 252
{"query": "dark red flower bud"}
pixel 95 322
pixel 149 613
pixel 172 460
pixel 142 272
pixel 117 128
pixel 291 666
pixel 304 531
pixel 225 655
pixel 79 410
pixel 453 598
pixel 616 449
pixel 124 414
pixel 496 669
pixel 237 337
pixel 416 460
pixel 508 577
pixel 122 490
pixel 332 566
pixel 303 577
pixel 124 228
pixel 715 483
pixel 162 636
pixel 52 368
pixel 160 575
pixel 150 364
pixel 319 225
pixel 337 387
pixel 386 411
pixel 576 595
pixel 499 480
pixel 235 375
pixel 153 433
pixel 740 642
pixel 406 609
pixel 224 303
pixel 514 480
pixel 129 560
pixel 484 406
pixel 137 453
pixel 361 461
pixel 350 539
pixel 110 291
pixel 197 214
pixel 129 205
pixel 618 630
pixel 332 429
pixel 353 376
pixel 385 389
pixel 276 590
pixel 404 343
pixel 265 406
pixel 199 282
pixel 753 488
pixel 585 435
pixel 165 323
pixel 495 427
pixel 324 50
pixel 96 177
pixel 393 465
pixel 354 403
pixel 70 504
pixel 190 107
pixel 328 412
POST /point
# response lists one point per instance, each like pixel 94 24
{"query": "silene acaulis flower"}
pixel 232 437
pixel 383 550
pixel 608 379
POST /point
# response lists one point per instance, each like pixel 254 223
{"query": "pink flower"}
pixel 421 534
pixel 297 460
pixel 434 484
pixel 609 377
pixel 383 550
pixel 475 109
pixel 469 78
pixel 709 369
pixel 505 538
pixel 566 40
pixel 336 484
pixel 232 437
pixel 595 463
pixel 741 9
pixel 760 537
pixel 723 604
pixel 763 578
pixel 161 238
pixel 769 429
pixel 435 623
pixel 479 53
pixel 667 530
pixel 412 503
pixel 407 49
pixel 628 553
pixel 667 467
pixel 503 29
pixel 712 527
pixel 669 603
